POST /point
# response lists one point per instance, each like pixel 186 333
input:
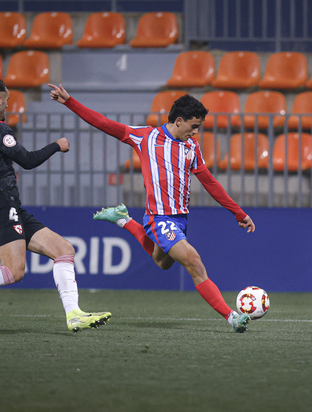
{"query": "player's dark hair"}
pixel 2 86
pixel 187 107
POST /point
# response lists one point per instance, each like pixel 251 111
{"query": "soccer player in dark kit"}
pixel 168 155
pixel 21 230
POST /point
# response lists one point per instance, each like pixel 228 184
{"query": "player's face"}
pixel 187 128
pixel 4 97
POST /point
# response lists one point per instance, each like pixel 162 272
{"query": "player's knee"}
pixel 18 274
pixel 164 263
pixel 67 248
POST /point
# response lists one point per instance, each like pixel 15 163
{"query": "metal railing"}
pixel 93 172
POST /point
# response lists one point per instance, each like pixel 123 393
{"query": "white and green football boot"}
pixel 78 320
pixel 240 322
pixel 112 214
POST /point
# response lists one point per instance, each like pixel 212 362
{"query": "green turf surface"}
pixel 161 351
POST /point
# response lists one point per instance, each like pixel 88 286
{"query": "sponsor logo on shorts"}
pixel 18 228
pixel 9 140
pixel 171 235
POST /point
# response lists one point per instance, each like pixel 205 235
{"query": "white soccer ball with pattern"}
pixel 254 301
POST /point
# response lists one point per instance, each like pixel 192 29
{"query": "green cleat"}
pixel 78 320
pixel 240 322
pixel 112 214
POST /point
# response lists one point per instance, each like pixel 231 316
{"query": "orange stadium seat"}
pixel 50 31
pixel 238 70
pixel 103 30
pixel 192 69
pixel 285 70
pixel 12 30
pixel 221 102
pixel 156 29
pixel 309 83
pixel 28 69
pixel 135 162
pixel 292 152
pixel 302 104
pixel 249 152
pixel 264 102
pixel 210 154
pixel 1 67
pixel 16 107
pixel 161 106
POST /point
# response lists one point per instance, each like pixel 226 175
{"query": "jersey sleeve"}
pixel 96 119
pixel 8 143
pixel 216 190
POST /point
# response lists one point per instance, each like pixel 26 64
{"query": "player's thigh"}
pixel 51 244
pixel 162 259
pixel 13 255
pixel 185 254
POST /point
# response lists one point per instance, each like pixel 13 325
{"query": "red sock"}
pixel 212 295
pixel 138 232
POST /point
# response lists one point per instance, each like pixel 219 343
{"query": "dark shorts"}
pixel 16 223
pixel 165 231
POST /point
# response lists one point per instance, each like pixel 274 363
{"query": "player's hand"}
pixel 58 93
pixel 247 222
pixel 64 144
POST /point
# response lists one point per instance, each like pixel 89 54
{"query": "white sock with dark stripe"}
pixel 64 278
pixel 6 276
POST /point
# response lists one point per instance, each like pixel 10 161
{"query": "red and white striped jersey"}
pixel 166 165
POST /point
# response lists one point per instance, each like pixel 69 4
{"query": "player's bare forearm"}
pixel 58 93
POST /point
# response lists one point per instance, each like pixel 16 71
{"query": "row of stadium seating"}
pixel 102 30
pixel 237 70
pixel 226 102
pixel 255 152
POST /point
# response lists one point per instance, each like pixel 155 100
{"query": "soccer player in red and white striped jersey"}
pixel 168 155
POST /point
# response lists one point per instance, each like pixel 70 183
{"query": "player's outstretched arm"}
pixel 58 93
pixel 247 223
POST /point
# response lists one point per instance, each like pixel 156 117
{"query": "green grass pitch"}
pixel 161 351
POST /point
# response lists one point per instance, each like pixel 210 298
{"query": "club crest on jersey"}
pixel 18 228
pixel 9 141
pixel 170 235
pixel 188 153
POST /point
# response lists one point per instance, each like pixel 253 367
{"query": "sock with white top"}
pixel 64 278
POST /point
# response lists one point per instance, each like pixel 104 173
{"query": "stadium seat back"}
pixel 103 29
pixel 210 148
pixel 221 102
pixel 293 145
pixel 161 106
pixel 192 69
pixel 302 104
pixel 50 31
pixel 264 102
pixel 16 108
pixel 285 70
pixel 156 29
pixel 28 69
pixel 250 152
pixel 136 163
pixel 12 29
pixel 238 70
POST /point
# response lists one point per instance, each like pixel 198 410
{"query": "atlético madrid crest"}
pixel 18 228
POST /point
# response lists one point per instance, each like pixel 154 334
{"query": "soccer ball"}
pixel 254 301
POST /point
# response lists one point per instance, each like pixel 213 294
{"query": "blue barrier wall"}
pixel 276 257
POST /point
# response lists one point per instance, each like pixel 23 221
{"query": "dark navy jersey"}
pixel 8 147
pixel 11 150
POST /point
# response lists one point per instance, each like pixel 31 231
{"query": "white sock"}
pixel 230 318
pixel 6 276
pixel 122 221
pixel 64 278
